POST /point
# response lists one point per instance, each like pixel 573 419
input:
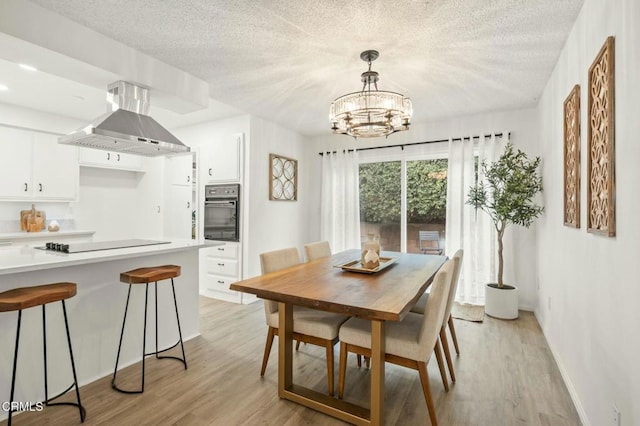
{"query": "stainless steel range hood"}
pixel 126 127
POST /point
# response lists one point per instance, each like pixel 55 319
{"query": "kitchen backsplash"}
pixel 11 226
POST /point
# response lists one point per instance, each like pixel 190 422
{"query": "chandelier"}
pixel 370 113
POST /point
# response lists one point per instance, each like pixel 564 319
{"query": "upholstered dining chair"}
pixel 317 250
pixel 409 342
pixel 420 307
pixel 309 325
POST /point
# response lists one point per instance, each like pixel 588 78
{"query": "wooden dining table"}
pixel 387 295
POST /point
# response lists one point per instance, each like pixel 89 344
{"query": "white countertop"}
pixel 15 259
pixel 20 236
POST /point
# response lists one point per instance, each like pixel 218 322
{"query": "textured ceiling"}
pixel 287 60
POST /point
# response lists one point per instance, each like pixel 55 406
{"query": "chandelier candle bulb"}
pixel 370 113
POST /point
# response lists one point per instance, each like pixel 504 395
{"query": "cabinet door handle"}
pixel 220 282
pixel 210 172
pixel 118 157
pixel 26 187
pixel 188 179
pixel 221 249
pixel 188 204
pixel 158 209
pixel 40 187
pixel 108 156
pixel 220 264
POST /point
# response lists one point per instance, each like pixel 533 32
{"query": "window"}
pixel 380 202
pixel 426 205
pixel 401 199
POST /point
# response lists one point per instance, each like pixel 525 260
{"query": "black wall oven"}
pixel 222 212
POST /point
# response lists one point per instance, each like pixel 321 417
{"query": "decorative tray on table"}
pixel 356 265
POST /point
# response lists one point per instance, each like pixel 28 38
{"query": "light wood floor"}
pixel 506 376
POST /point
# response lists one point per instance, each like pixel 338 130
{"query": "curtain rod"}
pixel 416 143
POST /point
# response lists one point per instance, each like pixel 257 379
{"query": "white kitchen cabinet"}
pixel 55 171
pixel 179 200
pixel 16 163
pixel 220 160
pixel 36 167
pixel 177 212
pixel 179 170
pixel 219 267
pixel 90 157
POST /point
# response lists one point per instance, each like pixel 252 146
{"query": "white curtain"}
pixel 340 206
pixel 467 229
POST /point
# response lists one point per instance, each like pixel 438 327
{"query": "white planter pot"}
pixel 501 302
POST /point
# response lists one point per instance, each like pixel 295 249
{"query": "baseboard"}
pixel 567 381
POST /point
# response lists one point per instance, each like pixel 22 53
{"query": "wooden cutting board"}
pixel 32 220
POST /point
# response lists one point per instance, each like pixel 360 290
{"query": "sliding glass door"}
pixel 404 202
pixel 380 202
pixel 426 206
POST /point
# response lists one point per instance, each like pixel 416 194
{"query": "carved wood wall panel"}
pixel 600 154
pixel 572 158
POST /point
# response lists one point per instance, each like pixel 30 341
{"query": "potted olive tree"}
pixel 507 195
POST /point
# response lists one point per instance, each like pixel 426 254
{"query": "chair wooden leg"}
pixel 453 335
pixel 330 366
pixel 426 388
pixel 359 360
pixel 297 345
pixel 443 373
pixel 367 362
pixel 447 353
pixel 343 369
pixel 267 349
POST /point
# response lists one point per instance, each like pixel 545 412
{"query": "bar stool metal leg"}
pixel 157 353
pixel 175 303
pixel 124 321
pixel 44 352
pixel 15 365
pixel 144 340
pixel 144 332
pixel 83 412
pixel 47 400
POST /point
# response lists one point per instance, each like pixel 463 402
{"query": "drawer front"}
pixel 217 283
pixel 226 267
pixel 228 296
pixel 218 287
pixel 226 251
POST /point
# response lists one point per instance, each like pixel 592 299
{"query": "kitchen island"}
pixel 95 313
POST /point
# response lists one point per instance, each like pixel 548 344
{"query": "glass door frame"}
pixel 434 151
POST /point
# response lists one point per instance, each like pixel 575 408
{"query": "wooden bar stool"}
pixel 146 276
pixel 18 299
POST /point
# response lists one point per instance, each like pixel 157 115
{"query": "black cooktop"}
pixel 100 245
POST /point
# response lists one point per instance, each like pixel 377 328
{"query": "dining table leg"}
pixel 285 348
pixel 377 372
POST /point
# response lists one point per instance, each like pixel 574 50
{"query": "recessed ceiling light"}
pixel 3 87
pixel 28 67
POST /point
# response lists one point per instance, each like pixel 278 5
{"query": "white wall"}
pixel 276 224
pixel 589 284
pixel 206 133
pixel 520 242
pixel 120 204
